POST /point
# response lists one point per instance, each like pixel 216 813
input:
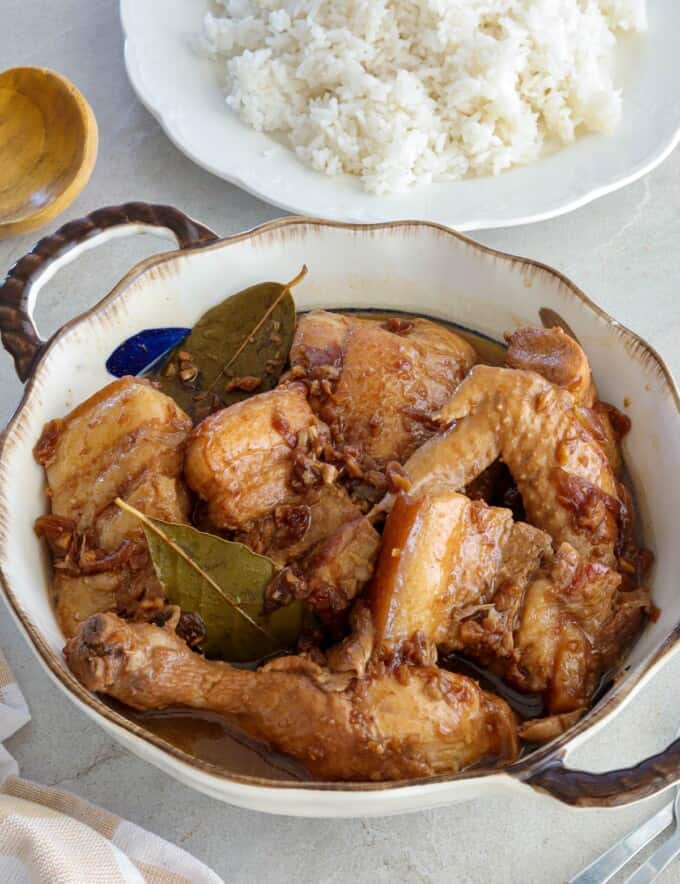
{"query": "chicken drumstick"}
pixel 380 725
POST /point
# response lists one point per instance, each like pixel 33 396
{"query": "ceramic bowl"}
pixel 408 266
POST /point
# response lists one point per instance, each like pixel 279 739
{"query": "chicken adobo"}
pixel 417 506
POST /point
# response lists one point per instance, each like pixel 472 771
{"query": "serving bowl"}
pixel 412 266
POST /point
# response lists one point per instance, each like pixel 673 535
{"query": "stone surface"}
pixel 622 250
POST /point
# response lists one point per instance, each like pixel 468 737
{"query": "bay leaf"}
pixel 223 582
pixel 236 349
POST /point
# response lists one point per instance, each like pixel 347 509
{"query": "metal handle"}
pixel 18 292
pixel 611 789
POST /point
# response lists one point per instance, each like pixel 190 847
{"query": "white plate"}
pixel 182 90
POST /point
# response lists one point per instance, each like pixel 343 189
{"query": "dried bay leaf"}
pixel 223 582
pixel 237 348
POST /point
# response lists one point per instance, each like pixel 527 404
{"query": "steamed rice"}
pixel 404 92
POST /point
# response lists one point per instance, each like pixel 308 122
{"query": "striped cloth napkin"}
pixel 51 836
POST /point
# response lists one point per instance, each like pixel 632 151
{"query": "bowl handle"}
pixel 613 788
pixel 19 290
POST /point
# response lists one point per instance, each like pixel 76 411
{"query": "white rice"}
pixel 404 92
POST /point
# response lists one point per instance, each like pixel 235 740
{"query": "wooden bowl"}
pixel 48 147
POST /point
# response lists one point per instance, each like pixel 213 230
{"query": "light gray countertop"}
pixel 622 250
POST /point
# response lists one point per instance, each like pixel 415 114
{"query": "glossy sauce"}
pixel 525 705
pixel 216 739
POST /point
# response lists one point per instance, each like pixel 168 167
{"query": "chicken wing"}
pixel 125 441
pixel 561 468
pixel 377 383
pixel 557 357
pixel 554 355
pixel 385 725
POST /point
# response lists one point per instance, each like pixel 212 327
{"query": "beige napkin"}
pixel 51 836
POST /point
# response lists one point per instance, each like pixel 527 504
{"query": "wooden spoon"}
pixel 48 147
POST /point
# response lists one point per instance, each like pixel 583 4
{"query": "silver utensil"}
pixel 613 860
pixel 663 855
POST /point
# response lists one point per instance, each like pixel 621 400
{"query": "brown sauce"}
pixel 525 705
pixel 213 738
